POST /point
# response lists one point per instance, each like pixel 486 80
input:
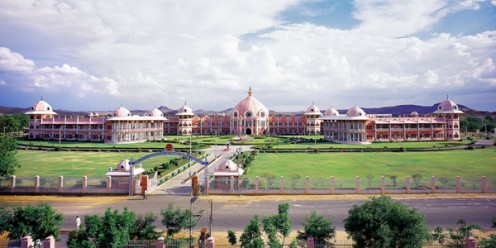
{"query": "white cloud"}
pixel 29 77
pixel 394 18
pixel 14 62
pixel 209 52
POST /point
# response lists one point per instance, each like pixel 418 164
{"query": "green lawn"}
pixel 101 145
pixel 464 163
pixel 75 164
pixel 425 144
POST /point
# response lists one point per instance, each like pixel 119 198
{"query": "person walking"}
pixel 78 223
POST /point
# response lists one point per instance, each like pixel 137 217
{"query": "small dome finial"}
pixel 447 97
pixel 249 91
pixel 41 98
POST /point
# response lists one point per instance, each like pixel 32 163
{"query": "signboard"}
pixel 184 155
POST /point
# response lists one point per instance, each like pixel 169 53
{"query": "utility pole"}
pixel 211 218
pixel 190 216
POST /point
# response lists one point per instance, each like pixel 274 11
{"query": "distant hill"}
pixel 16 110
pixel 405 109
pixel 394 110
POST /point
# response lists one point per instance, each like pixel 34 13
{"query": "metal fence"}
pixel 368 185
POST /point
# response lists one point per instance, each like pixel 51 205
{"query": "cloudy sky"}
pixel 99 55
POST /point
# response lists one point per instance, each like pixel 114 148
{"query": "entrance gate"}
pixel 182 154
pixel 140 186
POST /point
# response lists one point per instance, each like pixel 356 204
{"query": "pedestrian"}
pixel 78 223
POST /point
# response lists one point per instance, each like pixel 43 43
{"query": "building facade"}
pixel 120 127
pixel 357 127
pixel 248 117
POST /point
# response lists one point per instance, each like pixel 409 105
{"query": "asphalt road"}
pixel 235 215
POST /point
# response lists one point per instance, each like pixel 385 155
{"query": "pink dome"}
pixel 355 111
pixel 41 107
pixel 122 112
pixel 331 112
pixel 447 105
pixel 156 112
pixel 250 107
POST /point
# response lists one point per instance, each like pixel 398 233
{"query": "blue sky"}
pixel 100 55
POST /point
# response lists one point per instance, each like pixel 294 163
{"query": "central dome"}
pixel 250 107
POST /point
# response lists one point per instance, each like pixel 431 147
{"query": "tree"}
pixel 472 123
pixel 318 227
pixel 489 242
pixel 281 221
pixel 39 221
pixel 270 230
pixel 252 236
pixel 14 123
pixel 456 237
pixel 270 178
pixel 8 162
pixel 175 219
pixel 439 235
pixel 382 222
pixel 144 228
pixel 417 179
pixel 295 177
pixel 231 237
pixel 111 230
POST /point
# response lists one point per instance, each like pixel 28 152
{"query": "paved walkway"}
pixel 181 184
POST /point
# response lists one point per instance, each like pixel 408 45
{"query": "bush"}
pixel 58 148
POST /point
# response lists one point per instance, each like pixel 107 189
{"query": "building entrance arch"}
pixel 164 153
pixel 248 131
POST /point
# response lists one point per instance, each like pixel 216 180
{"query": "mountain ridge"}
pixel 396 110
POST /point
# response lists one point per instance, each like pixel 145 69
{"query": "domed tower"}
pixel 250 117
pixel 185 124
pixel 39 111
pixel 449 112
pixel 313 122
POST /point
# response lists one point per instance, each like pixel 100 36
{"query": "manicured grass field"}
pixel 426 144
pixel 75 164
pixel 101 145
pixel 464 163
